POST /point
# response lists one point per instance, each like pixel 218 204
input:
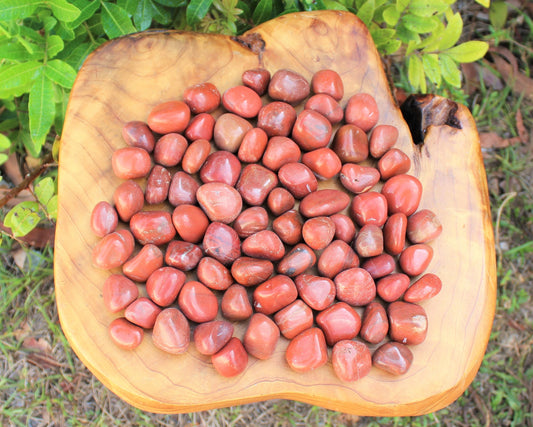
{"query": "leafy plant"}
pixel 43 43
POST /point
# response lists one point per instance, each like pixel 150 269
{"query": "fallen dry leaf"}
pixel 39 237
pixel 472 72
pixel 19 257
pixel 493 140
pixel 522 131
pixel 39 345
pixel 12 170
pixel 43 361
pixel 519 82
pixel 40 353
pixel 22 332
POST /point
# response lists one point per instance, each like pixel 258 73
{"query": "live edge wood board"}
pixel 126 77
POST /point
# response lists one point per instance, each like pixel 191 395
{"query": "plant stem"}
pixel 28 180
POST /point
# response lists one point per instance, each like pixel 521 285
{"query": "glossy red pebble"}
pixel 375 323
pixel 336 257
pixel 198 302
pixel 351 360
pixel 171 331
pixel 339 322
pixel 182 255
pixel 426 287
pixel 274 294
pixel 113 250
pixel 316 291
pixel 142 312
pixel 294 319
pixel 104 219
pixel 210 337
pixel 403 194
pixel 167 117
pixel 144 263
pixel 362 111
pixel 408 322
pixel 328 82
pixel 118 292
pixel 265 245
pixel 355 286
pixel 307 351
pixel 222 243
pixel 152 227
pixel 393 357
pixel 415 259
pixel 235 304
pixel 164 285
pixel 261 336
pixel 190 222
pixel 125 334
pixel 231 360
pixel 202 97
pixel 242 100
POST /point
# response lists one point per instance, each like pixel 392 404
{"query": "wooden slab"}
pixel 126 77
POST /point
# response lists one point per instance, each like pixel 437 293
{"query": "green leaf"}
pixel 65 31
pixel 498 14
pixel 382 35
pixel 61 97
pixel 485 3
pixel 44 190
pixel 427 8
pixel 54 45
pixel 171 3
pixel 3 159
pixel 9 124
pixel 31 48
pixel 23 218
pixel 450 71
pixel 49 22
pixel 334 5
pixel 87 9
pixel 143 15
pixel 469 51
pixel 30 33
pixel 78 54
pixel 116 21
pixel 401 5
pixel 391 16
pixel 262 12
pixel 411 45
pixel 5 143
pixel 13 10
pixel 418 24
pixel 391 46
pixel 63 10
pixel 432 68
pixel 129 6
pixel 160 14
pixel 406 35
pixel 14 51
pixel 60 72
pixel 415 72
pixel 17 79
pixel 366 12
pixel 51 207
pixel 453 31
pixel 196 10
pixel 41 109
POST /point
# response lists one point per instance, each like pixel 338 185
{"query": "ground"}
pixel 42 382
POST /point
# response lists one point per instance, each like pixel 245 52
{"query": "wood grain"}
pixel 125 78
